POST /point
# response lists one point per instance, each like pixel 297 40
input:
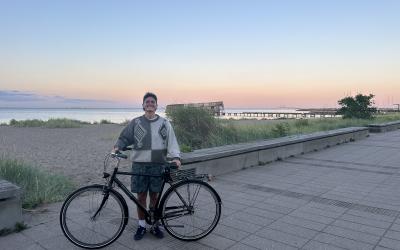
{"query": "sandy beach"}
pixel 77 153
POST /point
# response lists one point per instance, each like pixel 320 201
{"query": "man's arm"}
pixel 126 137
pixel 173 150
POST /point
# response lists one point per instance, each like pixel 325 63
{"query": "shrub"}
pixel 193 126
pixel 104 121
pixel 281 129
pixel 359 106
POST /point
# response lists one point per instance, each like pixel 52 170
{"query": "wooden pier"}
pixel 280 115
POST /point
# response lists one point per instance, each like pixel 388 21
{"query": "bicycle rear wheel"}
pixel 190 210
pixel 81 226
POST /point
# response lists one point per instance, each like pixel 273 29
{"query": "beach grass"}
pixel 50 123
pixel 229 131
pixel 38 187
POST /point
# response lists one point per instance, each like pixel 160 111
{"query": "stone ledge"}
pixel 230 158
pixel 10 205
pixel 384 127
pixel 240 148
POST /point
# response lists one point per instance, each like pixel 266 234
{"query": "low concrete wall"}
pixel 384 127
pixel 10 205
pixel 226 159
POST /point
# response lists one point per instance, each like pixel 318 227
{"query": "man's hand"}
pixel 115 149
pixel 177 162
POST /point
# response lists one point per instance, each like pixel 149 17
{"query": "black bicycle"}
pixel 95 216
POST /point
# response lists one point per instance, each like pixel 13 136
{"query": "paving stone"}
pixel 292 229
pixel 359 227
pixel 371 215
pixel 393 235
pixel 315 245
pixel 303 223
pixel 230 233
pixel 273 207
pixel 254 219
pixel 240 225
pixel 365 221
pixel 217 242
pixel 342 242
pixel 282 237
pixel 16 241
pixel 264 213
pixel 240 246
pixel 390 243
pixel 395 227
pixel 354 235
pixel 312 217
pixel 263 243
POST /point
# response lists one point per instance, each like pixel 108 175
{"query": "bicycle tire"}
pixel 191 221
pixel 77 210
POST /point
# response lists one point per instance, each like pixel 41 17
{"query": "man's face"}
pixel 149 104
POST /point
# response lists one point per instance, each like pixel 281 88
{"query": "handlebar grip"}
pixel 121 155
pixel 172 165
pixel 127 148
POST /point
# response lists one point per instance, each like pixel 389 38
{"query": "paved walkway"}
pixel 344 197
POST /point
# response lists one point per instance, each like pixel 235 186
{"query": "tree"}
pixel 359 106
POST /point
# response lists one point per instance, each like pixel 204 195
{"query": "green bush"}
pixel 193 126
pixel 104 121
pixel 281 129
pixel 38 186
pixel 359 106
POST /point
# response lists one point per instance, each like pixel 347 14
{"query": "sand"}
pixel 77 153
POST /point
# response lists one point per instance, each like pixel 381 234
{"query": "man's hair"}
pixel 149 94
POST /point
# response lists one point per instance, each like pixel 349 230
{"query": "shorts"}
pixel 140 184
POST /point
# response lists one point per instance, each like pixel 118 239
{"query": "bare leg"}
pixel 153 199
pixel 142 198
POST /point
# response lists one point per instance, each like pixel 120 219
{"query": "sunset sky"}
pixel 249 54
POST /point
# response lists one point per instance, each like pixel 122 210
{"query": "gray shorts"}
pixel 140 184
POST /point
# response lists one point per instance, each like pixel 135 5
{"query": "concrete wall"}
pixel 385 127
pixel 226 159
pixel 10 205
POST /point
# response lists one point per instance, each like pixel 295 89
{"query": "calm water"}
pixel 92 115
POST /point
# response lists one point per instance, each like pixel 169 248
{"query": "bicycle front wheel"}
pixel 190 210
pixel 92 218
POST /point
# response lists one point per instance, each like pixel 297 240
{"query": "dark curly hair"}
pixel 149 94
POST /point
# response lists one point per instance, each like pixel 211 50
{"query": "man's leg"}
pixel 153 199
pixel 142 198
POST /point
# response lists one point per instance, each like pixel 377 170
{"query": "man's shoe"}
pixel 139 233
pixel 156 231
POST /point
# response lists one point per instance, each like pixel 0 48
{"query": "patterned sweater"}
pixel 152 140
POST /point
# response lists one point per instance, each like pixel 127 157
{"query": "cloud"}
pixel 24 99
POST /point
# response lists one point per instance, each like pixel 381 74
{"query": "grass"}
pixel 38 186
pixel 51 123
pixel 236 131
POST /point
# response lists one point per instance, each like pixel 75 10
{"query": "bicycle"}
pixel 95 216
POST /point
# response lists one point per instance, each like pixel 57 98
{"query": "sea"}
pixel 115 115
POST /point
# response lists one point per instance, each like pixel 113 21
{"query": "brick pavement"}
pixel 344 197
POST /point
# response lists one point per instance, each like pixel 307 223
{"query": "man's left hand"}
pixel 177 162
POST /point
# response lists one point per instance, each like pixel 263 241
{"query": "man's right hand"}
pixel 115 149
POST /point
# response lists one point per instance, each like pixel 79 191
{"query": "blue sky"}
pixel 183 50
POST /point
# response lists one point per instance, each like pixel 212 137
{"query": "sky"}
pixel 248 54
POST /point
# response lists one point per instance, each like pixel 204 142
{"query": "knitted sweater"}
pixel 152 140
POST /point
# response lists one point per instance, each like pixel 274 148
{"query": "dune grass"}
pixel 196 128
pixel 51 123
pixel 38 187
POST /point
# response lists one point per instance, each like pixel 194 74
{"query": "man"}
pixel 153 140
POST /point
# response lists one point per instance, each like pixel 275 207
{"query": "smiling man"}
pixel 154 142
